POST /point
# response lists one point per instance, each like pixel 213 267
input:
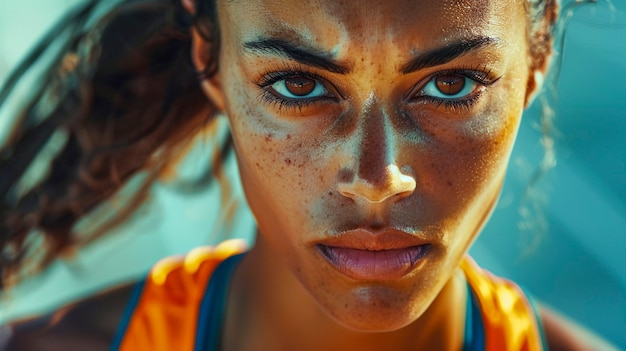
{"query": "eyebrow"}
pixel 305 55
pixel 323 60
pixel 447 53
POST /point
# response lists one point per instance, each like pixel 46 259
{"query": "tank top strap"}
pixel 474 328
pixel 509 320
pixel 164 310
pixel 212 308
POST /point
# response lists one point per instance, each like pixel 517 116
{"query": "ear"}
pixel 541 41
pixel 534 85
pixel 538 71
pixel 540 59
pixel 200 56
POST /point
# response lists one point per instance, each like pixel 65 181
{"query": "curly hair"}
pixel 121 97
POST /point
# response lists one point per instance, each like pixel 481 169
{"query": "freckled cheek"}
pixel 276 170
pixel 489 155
pixel 471 157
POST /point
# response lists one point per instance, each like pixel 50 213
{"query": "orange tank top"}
pixel 179 306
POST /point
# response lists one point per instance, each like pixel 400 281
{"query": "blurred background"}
pixel 563 239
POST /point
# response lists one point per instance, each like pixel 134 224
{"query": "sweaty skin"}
pixel 373 148
pixel 367 154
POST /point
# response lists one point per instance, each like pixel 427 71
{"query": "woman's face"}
pixel 372 138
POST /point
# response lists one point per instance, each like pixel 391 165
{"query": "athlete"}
pixel 372 139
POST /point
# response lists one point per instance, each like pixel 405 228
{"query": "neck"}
pixel 269 309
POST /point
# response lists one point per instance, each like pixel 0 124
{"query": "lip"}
pixel 365 255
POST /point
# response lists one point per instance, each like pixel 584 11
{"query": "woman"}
pixel 372 140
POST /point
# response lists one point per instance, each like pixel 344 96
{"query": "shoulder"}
pixel 164 312
pixel 86 325
pixel 180 277
pixel 506 308
pixel 508 317
pixel 174 283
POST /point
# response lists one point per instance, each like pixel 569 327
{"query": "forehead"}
pixel 407 24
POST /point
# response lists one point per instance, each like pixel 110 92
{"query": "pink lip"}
pixel 364 255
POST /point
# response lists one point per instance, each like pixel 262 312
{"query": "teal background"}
pixel 577 265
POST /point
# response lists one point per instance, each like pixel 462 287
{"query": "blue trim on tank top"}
pixel 128 313
pixel 212 308
pixel 474 327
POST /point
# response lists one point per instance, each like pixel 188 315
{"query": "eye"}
pixel 299 87
pixel 293 90
pixel 449 86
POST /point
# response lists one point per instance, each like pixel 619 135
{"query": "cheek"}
pixel 468 157
pixel 276 167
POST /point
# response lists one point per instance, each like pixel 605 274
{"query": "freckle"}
pixel 346 175
pixel 288 136
pixel 269 137
pixel 288 161
pixel 330 193
pixel 450 183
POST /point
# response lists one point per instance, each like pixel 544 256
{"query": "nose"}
pixel 392 184
pixel 373 175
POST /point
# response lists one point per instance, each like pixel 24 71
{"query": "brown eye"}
pixel 300 86
pixel 450 84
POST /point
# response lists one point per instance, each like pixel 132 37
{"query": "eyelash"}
pixel 480 75
pixel 288 71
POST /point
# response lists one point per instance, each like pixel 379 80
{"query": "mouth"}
pixel 363 255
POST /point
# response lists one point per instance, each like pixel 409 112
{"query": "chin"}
pixel 375 309
pixel 375 322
